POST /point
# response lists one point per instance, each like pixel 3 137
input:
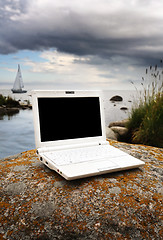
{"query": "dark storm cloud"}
pixel 105 32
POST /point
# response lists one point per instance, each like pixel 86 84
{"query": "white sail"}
pixel 18 84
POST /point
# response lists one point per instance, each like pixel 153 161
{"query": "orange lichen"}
pixel 115 201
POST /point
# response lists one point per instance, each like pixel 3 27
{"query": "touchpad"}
pixel 109 166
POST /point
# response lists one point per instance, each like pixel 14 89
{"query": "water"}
pixel 17 131
pixel 112 110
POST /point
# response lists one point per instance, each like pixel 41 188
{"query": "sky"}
pixel 74 44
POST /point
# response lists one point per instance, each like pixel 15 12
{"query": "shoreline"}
pixel 10 106
pixel 5 110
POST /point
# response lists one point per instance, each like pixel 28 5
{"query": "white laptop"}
pixel 70 135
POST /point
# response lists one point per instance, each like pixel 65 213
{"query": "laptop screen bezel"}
pixel 57 94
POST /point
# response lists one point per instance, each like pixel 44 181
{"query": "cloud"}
pixel 63 70
pixel 54 61
pixel 7 69
pixel 106 29
pixel 67 70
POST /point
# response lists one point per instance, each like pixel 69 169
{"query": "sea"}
pixel 17 131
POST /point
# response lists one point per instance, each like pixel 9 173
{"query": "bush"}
pixel 2 100
pixel 8 101
pixel 149 128
pixel 146 118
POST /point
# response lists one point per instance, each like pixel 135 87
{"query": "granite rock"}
pixel 121 123
pixel 116 98
pixel 110 134
pixel 121 131
pixel 37 203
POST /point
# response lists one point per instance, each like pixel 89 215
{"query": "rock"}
pixel 26 106
pixel 8 111
pixel 15 188
pixel 5 110
pixel 119 128
pixel 110 134
pixel 119 123
pixel 116 98
pixel 115 190
pixel 40 204
pixel 124 108
pixel 122 131
pixel 12 110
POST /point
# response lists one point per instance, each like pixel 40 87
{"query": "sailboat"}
pixel 18 84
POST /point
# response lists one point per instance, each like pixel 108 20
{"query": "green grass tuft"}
pixel 146 118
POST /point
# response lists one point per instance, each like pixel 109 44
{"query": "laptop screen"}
pixel 69 118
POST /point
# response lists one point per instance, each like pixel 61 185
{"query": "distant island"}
pixel 10 106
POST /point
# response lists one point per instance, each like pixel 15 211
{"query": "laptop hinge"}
pixel 47 149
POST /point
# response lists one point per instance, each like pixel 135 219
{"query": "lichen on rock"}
pixel 37 203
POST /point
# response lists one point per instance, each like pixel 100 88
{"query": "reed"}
pixel 146 118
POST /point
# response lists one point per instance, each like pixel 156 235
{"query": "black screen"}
pixel 69 118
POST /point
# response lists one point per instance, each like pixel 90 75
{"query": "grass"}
pixel 146 118
pixel 8 101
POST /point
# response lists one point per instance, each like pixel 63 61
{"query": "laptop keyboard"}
pixel 79 155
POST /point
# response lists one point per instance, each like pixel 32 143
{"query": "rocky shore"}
pixel 10 106
pixel 37 203
pixel 117 130
pixel 5 110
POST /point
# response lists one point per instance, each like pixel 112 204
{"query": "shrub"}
pixel 150 130
pixel 2 100
pixel 146 118
pixel 8 101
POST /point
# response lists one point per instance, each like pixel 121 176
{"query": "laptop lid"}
pixel 68 118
